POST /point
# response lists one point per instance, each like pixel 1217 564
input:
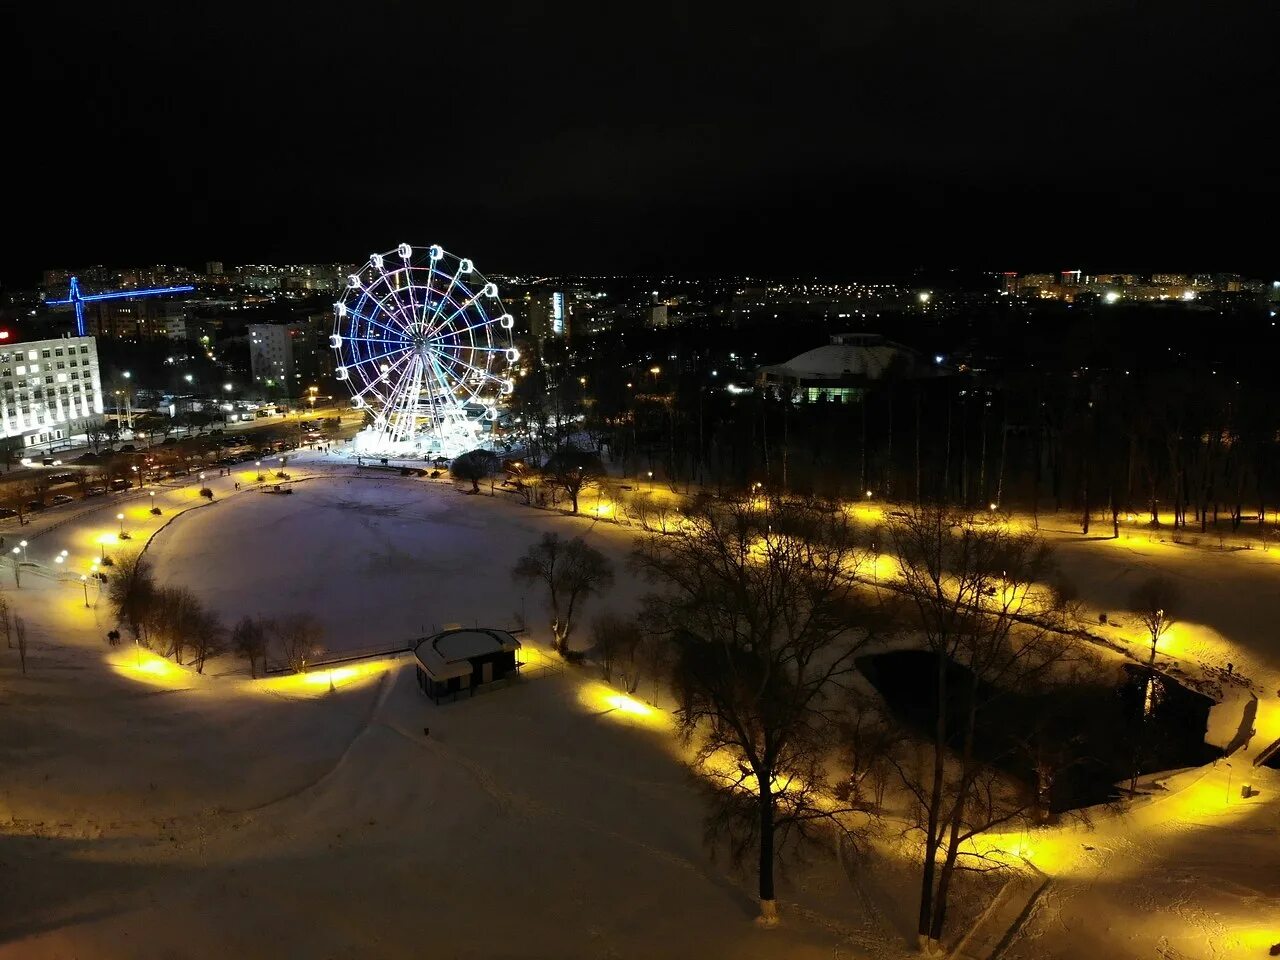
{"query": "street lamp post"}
pixel 128 403
pixel 23 545
pixel 120 517
pixel 17 574
pixel 84 582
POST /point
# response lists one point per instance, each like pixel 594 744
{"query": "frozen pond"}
pixel 380 561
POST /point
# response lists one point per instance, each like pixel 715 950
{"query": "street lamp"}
pixel 868 494
pixel 651 481
pixel 120 517
pixel 84 582
pixel 23 545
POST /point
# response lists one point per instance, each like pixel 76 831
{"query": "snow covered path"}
pixel 208 817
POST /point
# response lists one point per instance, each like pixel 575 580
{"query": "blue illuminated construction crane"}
pixel 79 299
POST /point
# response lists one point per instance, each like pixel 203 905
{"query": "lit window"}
pixel 22 370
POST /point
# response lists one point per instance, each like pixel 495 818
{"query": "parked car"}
pixel 35 505
pixel 7 512
pixel 95 491
pixel 61 477
pixel 58 499
pixel 121 484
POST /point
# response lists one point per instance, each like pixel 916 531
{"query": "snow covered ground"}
pixel 146 811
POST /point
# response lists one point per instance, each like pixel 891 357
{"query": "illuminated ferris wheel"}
pixel 425 347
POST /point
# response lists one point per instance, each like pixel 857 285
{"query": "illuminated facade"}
pixel 50 390
pixel 422 341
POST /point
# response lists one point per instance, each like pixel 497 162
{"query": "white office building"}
pixel 50 390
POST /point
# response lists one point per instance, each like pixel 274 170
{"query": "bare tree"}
pixel 299 637
pixel 473 466
pixel 1155 601
pixel 572 571
pixel 616 641
pixel 174 617
pixel 763 617
pixel 571 469
pixel 20 629
pixel 6 621
pixel 981 606
pixel 249 640
pixel 207 634
pixel 131 592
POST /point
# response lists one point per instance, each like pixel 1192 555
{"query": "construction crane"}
pixel 78 299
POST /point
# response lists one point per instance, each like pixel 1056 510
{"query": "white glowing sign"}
pixel 557 313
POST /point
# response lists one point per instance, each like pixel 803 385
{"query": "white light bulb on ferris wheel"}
pixel 340 309
pixel 353 282
pixel 425 346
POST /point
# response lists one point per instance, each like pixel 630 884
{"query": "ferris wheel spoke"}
pixel 376 323
pixel 389 353
pixel 448 391
pixel 488 321
pixel 380 302
pixel 461 346
pixel 445 297
pixel 381 376
pixel 484 374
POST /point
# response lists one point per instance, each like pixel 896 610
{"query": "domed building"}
pixel 842 369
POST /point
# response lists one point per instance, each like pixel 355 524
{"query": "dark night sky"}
pixel 782 138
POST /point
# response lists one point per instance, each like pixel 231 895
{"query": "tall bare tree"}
pixel 983 607
pixel 571 470
pixel 299 637
pixel 572 571
pixel 1155 601
pixel 617 641
pixel 207 635
pixel 132 594
pixel 249 640
pixel 763 616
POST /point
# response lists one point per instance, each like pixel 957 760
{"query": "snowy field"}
pixel 381 561
pixel 149 812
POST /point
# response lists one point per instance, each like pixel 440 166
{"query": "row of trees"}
pixel 1165 438
pixel 757 622
pixel 174 622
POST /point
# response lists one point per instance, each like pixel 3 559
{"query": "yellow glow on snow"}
pixel 319 681
pixel 146 667
pixel 607 701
